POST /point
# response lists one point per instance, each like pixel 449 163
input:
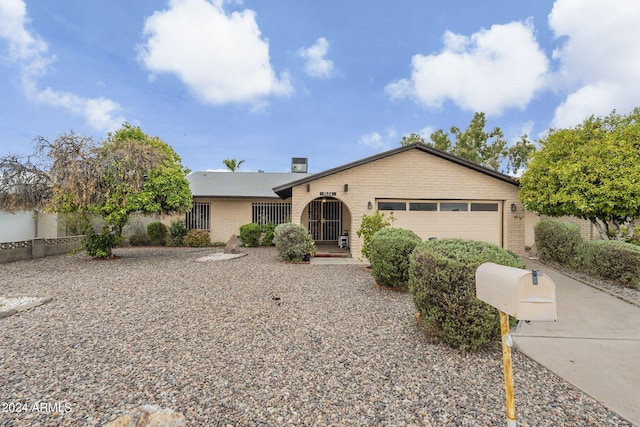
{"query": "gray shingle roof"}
pixel 239 184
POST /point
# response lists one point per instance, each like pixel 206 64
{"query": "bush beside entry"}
pixel 293 242
pixel 442 283
pixel 389 254
pixel 250 234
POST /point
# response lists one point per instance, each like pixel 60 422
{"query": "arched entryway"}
pixel 328 220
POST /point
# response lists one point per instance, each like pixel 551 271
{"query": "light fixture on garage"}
pixel 513 207
pixel 369 205
pixel 346 188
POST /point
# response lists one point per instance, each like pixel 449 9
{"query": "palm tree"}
pixel 232 164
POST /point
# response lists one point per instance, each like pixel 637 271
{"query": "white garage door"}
pixel 466 219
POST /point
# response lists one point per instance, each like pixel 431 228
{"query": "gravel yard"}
pixel 248 341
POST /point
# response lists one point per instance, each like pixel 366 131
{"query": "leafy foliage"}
pixel 590 172
pixel 197 238
pixel 177 232
pixel 250 234
pixel 138 235
pixel 157 233
pixel 389 256
pixel 612 260
pixel 608 259
pixel 557 241
pixel 370 225
pixel 488 149
pixel 99 245
pixel 232 164
pixel 128 172
pixel 268 231
pixel 293 242
pixel 442 283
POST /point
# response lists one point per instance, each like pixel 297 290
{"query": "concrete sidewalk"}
pixel 595 344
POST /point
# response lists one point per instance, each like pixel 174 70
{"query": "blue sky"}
pixel 334 81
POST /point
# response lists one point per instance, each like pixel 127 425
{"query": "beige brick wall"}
pixel 413 174
pixel 228 214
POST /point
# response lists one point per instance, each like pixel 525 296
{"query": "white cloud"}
pixel 599 59
pixel 317 65
pixel 220 57
pixel 490 71
pixel 30 53
pixel 378 141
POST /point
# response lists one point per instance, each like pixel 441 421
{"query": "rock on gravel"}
pixel 253 341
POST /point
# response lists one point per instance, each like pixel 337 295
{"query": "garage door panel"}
pixel 485 225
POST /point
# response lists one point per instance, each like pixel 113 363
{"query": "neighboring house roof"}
pixel 238 184
pixel 285 190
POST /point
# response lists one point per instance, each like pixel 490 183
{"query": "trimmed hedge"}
pixel 606 259
pixel 389 254
pixel 442 283
pixel 157 232
pixel 557 241
pixel 293 242
pixel 197 238
pixel 268 231
pixel 250 234
pixel 613 260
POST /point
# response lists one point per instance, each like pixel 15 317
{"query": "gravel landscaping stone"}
pixel 248 341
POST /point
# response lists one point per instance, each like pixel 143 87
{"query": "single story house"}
pixel 429 191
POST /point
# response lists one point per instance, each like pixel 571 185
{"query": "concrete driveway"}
pixel 595 344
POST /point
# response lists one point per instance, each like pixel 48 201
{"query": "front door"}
pixel 325 219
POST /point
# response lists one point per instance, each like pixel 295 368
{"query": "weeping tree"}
pixel 129 172
pixel 591 171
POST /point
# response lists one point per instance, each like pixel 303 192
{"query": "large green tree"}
pixel 475 144
pixel 591 171
pixel 129 172
pixel 141 174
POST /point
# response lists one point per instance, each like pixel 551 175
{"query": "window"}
pixel 484 207
pixel 454 207
pixel 199 217
pixel 392 206
pixel 270 212
pixel 424 207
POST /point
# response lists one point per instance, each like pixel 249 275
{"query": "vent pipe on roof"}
pixel 299 164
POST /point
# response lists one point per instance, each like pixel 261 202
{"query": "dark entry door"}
pixel 325 219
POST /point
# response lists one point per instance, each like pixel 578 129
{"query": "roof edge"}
pixel 285 190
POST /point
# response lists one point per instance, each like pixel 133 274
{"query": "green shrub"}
pixel 613 260
pixel 389 256
pixel 138 235
pixel 293 242
pixel 250 234
pixel 268 231
pixel 157 233
pixel 369 226
pixel 177 232
pixel 99 245
pixel 197 238
pixel 442 283
pixel 557 241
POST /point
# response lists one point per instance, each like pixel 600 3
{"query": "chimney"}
pixel 299 164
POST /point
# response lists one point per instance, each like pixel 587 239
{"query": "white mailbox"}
pixel 523 294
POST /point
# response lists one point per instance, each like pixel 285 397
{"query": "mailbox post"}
pixel 523 294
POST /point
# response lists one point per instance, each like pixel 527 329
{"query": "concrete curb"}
pixel 25 307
